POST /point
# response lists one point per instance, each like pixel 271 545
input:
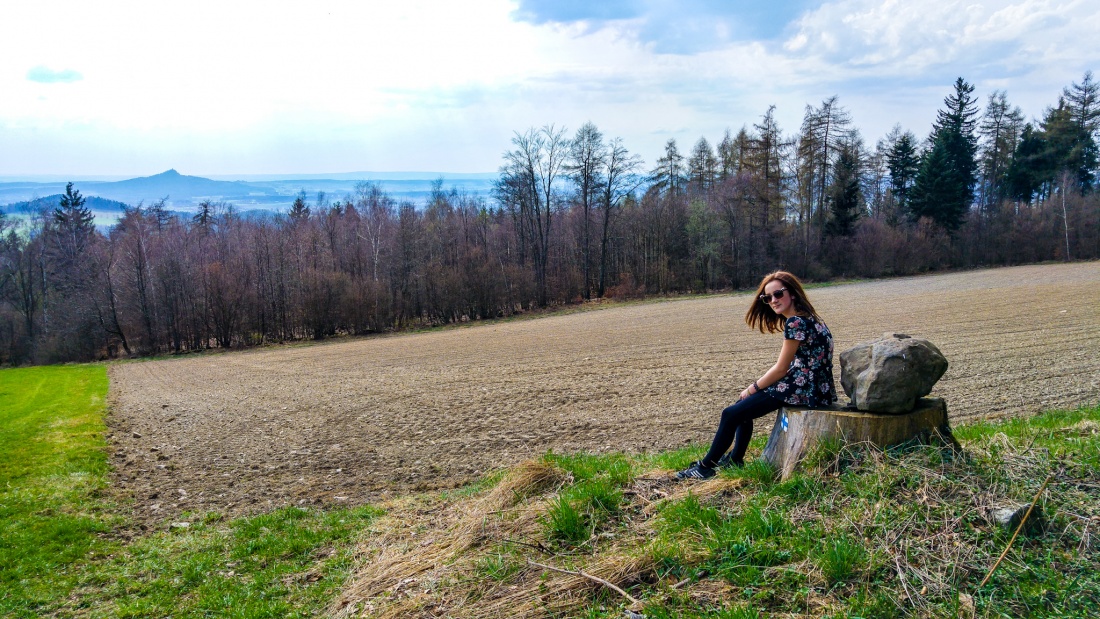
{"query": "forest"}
pixel 574 216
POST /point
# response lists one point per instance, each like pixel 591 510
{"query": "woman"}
pixel 803 375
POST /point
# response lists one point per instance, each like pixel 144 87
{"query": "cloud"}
pixel 899 37
pixel 686 27
pixel 46 75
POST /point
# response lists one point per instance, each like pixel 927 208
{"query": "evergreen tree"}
pixel 299 210
pixel 1075 123
pixel 204 219
pixel 74 226
pixel 845 196
pixel 71 214
pixel 944 186
pixel 903 162
pixel 1026 171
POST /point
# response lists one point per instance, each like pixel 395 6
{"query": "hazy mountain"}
pixel 93 203
pixel 168 184
pixel 272 193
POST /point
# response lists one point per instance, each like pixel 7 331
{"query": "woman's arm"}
pixel 777 371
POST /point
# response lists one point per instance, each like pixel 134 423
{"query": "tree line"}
pixel 573 216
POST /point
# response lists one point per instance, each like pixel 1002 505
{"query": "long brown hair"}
pixel 762 316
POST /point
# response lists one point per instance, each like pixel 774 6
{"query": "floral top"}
pixel 809 379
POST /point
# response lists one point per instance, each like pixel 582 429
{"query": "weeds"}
pixel 841 558
pixel 869 533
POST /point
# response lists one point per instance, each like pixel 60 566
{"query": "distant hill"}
pixel 172 183
pixel 93 203
pixel 185 192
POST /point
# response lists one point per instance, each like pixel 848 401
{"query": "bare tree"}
pixel 587 154
pixel 621 179
pixel 528 184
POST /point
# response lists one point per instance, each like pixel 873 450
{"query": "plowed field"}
pixel 348 421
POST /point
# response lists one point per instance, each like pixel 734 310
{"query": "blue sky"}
pixel 134 88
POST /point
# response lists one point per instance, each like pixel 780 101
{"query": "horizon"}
pixel 367 175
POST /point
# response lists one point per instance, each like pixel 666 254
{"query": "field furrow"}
pixel 345 421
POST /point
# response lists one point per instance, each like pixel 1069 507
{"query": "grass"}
pixel 905 532
pixel 61 552
pixel 52 461
pixel 857 533
pixel 592 500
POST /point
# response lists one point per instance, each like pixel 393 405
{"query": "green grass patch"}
pixel 905 532
pixel 53 465
pixel 59 552
pixel 592 500
pixel 287 563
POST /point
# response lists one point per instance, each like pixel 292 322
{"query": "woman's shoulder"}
pixel 807 322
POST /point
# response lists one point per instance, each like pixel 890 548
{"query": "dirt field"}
pixel 349 421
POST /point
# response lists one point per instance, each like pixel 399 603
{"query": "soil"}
pixel 351 421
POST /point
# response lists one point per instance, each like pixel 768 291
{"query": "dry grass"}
pixel 865 531
pixel 411 555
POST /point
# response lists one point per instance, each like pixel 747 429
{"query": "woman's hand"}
pixel 746 393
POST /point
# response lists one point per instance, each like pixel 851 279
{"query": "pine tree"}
pixel 1026 171
pixel 845 198
pixel 299 210
pixel 71 214
pixel 204 219
pixel 74 225
pixel 903 162
pixel 1082 105
pixel 944 186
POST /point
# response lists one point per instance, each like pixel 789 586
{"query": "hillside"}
pixel 857 533
pixel 96 204
pixel 269 192
pixel 172 183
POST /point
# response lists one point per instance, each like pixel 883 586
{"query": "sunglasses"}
pixel 778 294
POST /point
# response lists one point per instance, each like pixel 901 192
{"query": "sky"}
pixel 116 88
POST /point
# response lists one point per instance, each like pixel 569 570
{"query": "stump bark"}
pixel 797 430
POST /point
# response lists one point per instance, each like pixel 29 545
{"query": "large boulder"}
pixel 889 374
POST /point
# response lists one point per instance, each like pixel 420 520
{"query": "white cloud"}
pixel 897 36
pixel 341 85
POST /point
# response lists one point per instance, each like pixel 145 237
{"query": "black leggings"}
pixel 736 427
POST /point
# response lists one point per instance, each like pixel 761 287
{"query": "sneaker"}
pixel 696 471
pixel 727 461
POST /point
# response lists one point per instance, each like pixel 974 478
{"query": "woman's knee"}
pixel 733 414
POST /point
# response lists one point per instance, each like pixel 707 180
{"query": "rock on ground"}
pixel 890 374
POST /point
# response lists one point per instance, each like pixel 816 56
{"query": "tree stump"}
pixel 797 430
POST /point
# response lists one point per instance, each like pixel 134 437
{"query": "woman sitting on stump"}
pixel 803 375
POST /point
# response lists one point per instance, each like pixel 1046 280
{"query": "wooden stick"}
pixel 539 547
pixel 595 579
pixel 1019 528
